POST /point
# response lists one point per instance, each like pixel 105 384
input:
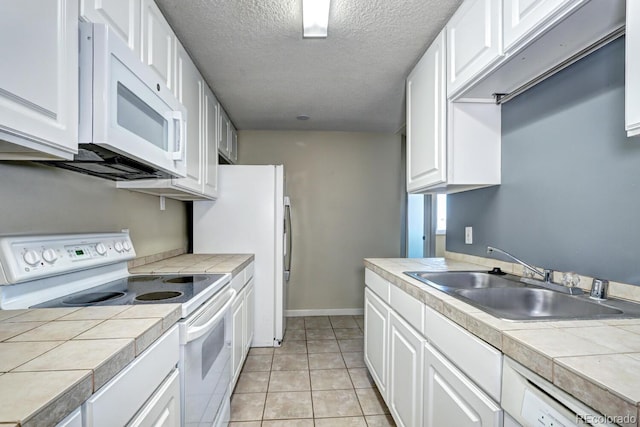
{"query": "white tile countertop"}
pixel 53 359
pixel 597 361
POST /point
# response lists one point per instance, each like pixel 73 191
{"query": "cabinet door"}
pixel 223 136
pixel 163 408
pixel 473 41
pixel 74 419
pixel 237 329
pixel 426 119
pixel 249 305
pixel 405 372
pixel 39 79
pixel 451 399
pixel 210 129
pixel 522 17
pixel 122 16
pixel 234 145
pixel 376 324
pixel 158 43
pixel 189 87
pixel 632 70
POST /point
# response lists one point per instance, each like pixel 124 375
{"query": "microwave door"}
pixel 138 120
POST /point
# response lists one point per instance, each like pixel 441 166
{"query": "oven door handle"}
pixel 197 332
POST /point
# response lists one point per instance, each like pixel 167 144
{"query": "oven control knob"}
pixel 118 247
pixel 126 245
pixel 49 255
pixel 31 257
pixel 101 249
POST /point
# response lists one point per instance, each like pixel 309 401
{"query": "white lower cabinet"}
pixel 74 419
pixel 441 377
pixel 249 304
pixel 131 393
pixel 451 399
pixel 163 409
pixel 376 325
pixel 242 320
pixel 404 395
pixel 237 345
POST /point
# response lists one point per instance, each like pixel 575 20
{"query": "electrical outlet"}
pixel 468 235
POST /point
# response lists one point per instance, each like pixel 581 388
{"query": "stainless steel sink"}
pixel 532 303
pixel 507 297
pixel 463 279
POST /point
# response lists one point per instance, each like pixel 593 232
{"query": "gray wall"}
pixel 346 190
pixel 42 199
pixel 570 196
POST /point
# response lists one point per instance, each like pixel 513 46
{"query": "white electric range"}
pixel 81 270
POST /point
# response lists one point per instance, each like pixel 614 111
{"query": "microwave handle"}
pixel 178 125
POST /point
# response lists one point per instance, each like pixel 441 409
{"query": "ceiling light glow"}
pixel 315 18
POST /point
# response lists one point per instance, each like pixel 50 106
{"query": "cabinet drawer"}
pixel 478 360
pixel 248 271
pixel 377 284
pixel 238 281
pixel 118 401
pixel 411 309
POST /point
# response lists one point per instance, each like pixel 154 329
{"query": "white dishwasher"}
pixel 533 401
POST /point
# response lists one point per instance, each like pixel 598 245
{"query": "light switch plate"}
pixel 468 235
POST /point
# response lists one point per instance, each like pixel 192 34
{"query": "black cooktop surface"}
pixel 145 289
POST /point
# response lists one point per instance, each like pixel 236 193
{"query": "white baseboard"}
pixel 325 312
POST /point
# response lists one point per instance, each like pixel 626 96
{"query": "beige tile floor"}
pixel 316 378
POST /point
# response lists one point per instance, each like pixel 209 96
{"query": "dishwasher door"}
pixel 533 401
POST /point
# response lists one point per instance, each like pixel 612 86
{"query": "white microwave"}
pixel 131 125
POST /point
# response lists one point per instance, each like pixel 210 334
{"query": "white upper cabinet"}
pixel 632 71
pixel 189 88
pixel 210 130
pixel 233 143
pixel 451 147
pixel 224 148
pixel 39 80
pixel 521 17
pixel 539 36
pixel 122 16
pixel 158 43
pixel 426 119
pixel 474 41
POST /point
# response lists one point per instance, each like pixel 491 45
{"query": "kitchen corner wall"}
pixel 345 189
pixel 41 199
pixel 570 193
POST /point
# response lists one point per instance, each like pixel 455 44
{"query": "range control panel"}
pixel 25 258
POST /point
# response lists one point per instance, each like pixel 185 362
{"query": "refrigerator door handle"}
pixel 289 237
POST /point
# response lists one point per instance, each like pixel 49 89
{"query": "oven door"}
pixel 125 108
pixel 205 368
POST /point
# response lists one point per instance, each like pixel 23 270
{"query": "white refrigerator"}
pixel 250 216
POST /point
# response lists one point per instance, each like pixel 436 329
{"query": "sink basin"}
pixel 507 297
pixel 526 303
pixel 463 280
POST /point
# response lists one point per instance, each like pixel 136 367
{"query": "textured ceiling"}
pixel 252 54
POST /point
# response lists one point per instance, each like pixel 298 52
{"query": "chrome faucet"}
pixel 546 274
